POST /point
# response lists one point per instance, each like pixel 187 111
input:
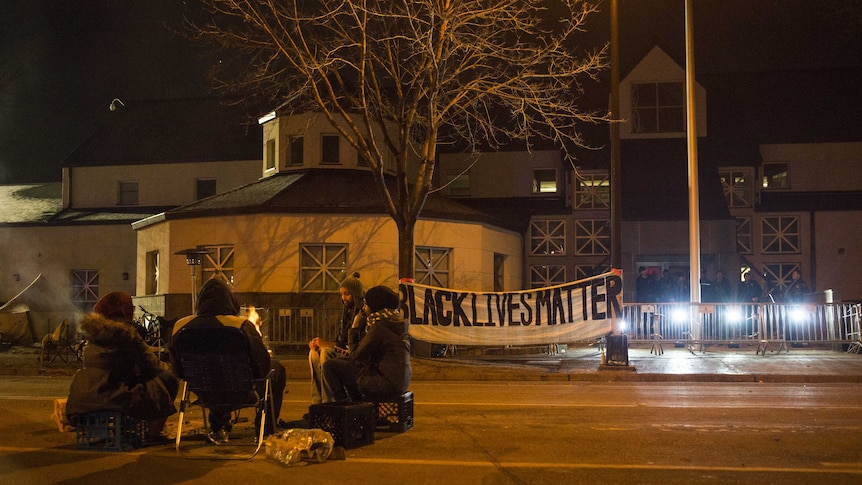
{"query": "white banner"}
pixel 569 312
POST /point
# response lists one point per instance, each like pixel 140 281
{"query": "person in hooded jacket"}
pixel 217 306
pixel 121 373
pixel 378 368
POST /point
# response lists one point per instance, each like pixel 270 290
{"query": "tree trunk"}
pixel 406 260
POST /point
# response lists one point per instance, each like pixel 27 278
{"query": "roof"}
pixel 173 130
pixel 321 191
pixel 30 203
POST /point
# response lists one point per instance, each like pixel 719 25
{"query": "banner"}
pixel 569 312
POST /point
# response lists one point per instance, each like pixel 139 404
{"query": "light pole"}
pixel 194 258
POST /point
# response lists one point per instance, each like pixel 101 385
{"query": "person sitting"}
pixel 378 367
pixel 320 351
pixel 120 372
pixel 217 306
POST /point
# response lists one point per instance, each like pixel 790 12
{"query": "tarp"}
pixel 570 312
pixel 15 319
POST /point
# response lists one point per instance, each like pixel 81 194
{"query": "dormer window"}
pixel 297 151
pixel 128 193
pixel 330 150
pixel 658 107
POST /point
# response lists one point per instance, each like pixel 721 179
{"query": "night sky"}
pixel 63 61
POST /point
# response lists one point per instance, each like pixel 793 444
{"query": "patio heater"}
pixel 194 258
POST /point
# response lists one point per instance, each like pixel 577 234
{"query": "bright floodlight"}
pixel 679 315
pixel 798 314
pixel 733 314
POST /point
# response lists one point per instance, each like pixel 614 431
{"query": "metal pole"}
pixel 616 195
pixel 691 135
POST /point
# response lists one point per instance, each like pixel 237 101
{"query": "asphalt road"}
pixel 502 433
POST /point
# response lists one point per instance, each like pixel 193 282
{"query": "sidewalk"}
pixel 716 364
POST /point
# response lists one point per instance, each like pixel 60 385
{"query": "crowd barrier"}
pixel 707 323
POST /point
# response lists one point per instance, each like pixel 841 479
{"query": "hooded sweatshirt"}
pixel 217 306
pixel 383 355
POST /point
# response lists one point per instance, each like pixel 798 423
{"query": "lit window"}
pixel 432 266
pixel 548 237
pixel 593 191
pixel 330 150
pixel 658 108
pixel 738 190
pixel 128 193
pixel 544 181
pixel 322 266
pixel 776 176
pixel 152 283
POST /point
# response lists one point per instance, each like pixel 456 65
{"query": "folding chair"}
pixel 215 364
pixel 58 344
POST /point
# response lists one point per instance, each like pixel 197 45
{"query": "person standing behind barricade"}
pixel 645 292
pixel 749 293
pixel 796 289
pixel 320 350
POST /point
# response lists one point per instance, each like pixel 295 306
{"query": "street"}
pixel 502 433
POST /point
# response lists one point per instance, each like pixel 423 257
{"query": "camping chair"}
pixel 215 364
pixel 57 344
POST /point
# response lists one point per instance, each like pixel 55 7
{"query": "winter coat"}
pixel 217 307
pixel 382 355
pixel 120 373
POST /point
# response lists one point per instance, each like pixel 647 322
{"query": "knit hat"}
pixel 354 286
pixel 116 306
pixel 381 297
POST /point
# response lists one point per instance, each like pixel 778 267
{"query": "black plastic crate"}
pixel 351 425
pixel 396 415
pixel 109 431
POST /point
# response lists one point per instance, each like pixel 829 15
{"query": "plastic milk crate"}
pixel 351 425
pixel 396 415
pixel 109 431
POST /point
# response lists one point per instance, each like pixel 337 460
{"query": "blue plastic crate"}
pixel 109 431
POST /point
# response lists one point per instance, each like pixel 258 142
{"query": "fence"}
pixel 680 322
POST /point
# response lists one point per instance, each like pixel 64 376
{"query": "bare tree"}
pixel 473 73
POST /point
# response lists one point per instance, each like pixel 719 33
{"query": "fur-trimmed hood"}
pixel 105 332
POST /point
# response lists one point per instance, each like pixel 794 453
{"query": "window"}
pixel 585 271
pixel 776 176
pixel 738 190
pixel 592 237
pixel 329 150
pixel 322 266
pixel 499 274
pixel 297 150
pixel 128 193
pixel 547 275
pixel 777 276
pixel 205 188
pixel 219 261
pixel 544 181
pixel 85 288
pixel 743 235
pixel 432 266
pixel 152 283
pixel 269 155
pixel 548 238
pixel 779 234
pixel 658 108
pixel 593 191
pixel 458 184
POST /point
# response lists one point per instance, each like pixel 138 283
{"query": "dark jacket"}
pixel 120 373
pixel 218 307
pixel 382 355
